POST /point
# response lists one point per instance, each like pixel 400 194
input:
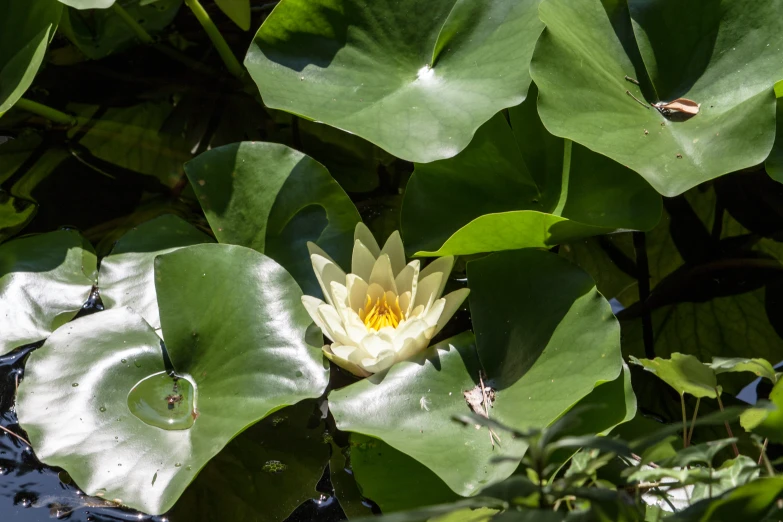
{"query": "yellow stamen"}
pixel 381 314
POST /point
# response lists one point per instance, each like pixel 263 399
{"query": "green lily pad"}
pixel 546 337
pixel 263 474
pixel 44 281
pixel 235 331
pixel 376 465
pixel 274 199
pixel 127 276
pixel 25 31
pixel 724 55
pixel 685 373
pixel 774 163
pixel 410 408
pixel 394 73
pixel 100 32
pixel 530 314
pixel 535 190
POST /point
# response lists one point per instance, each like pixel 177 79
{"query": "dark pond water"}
pixel 33 492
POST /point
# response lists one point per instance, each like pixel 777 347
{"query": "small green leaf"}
pixel 767 421
pixel 760 367
pixel 749 502
pixel 393 73
pixel 44 281
pixel 685 373
pixel 731 474
pixel 88 4
pixel 237 10
pixel 274 199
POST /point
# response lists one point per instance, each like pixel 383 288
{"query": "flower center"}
pixel 381 313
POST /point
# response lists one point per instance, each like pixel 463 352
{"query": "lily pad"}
pixel 722 54
pixel 546 337
pixel 25 31
pixel 235 332
pixel 127 275
pixel 376 465
pixel 88 4
pixel 44 281
pixel 274 199
pixel 100 32
pixel 393 73
pixel 685 373
pixel 530 314
pixel 263 474
pixel 410 407
pixel 535 190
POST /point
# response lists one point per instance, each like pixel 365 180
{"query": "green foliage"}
pixel 175 180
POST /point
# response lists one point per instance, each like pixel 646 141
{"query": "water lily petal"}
pixel 311 304
pixel 411 329
pixel 453 302
pixel 351 366
pixel 433 314
pixel 327 271
pixel 357 291
pixel 382 274
pixel 428 290
pixel 362 260
pixel 413 345
pixel 332 324
pixel 315 249
pixel 376 344
pixel 363 234
pixel 396 252
pixel 340 297
pixel 443 265
pixel 380 363
pixel 407 278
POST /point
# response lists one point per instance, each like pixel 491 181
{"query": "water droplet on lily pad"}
pixel 274 466
pixel 164 401
pixel 123 361
pixel 102 408
pixel 75 384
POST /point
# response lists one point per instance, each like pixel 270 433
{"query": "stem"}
pixel 693 421
pixel 763 449
pixel 3 428
pixel 767 464
pixel 140 32
pixel 234 67
pixel 565 178
pixel 643 280
pixel 728 428
pixel 684 422
pixel 49 113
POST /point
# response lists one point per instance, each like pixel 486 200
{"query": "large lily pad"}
pixel 235 332
pixel 25 31
pixel 722 54
pixel 411 406
pixel 545 338
pixel 376 466
pixel 263 474
pixel 44 281
pixel 100 32
pixel 535 190
pixel 274 199
pixel 393 73
pixel 127 275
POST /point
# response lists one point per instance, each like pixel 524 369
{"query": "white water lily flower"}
pixel 384 311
